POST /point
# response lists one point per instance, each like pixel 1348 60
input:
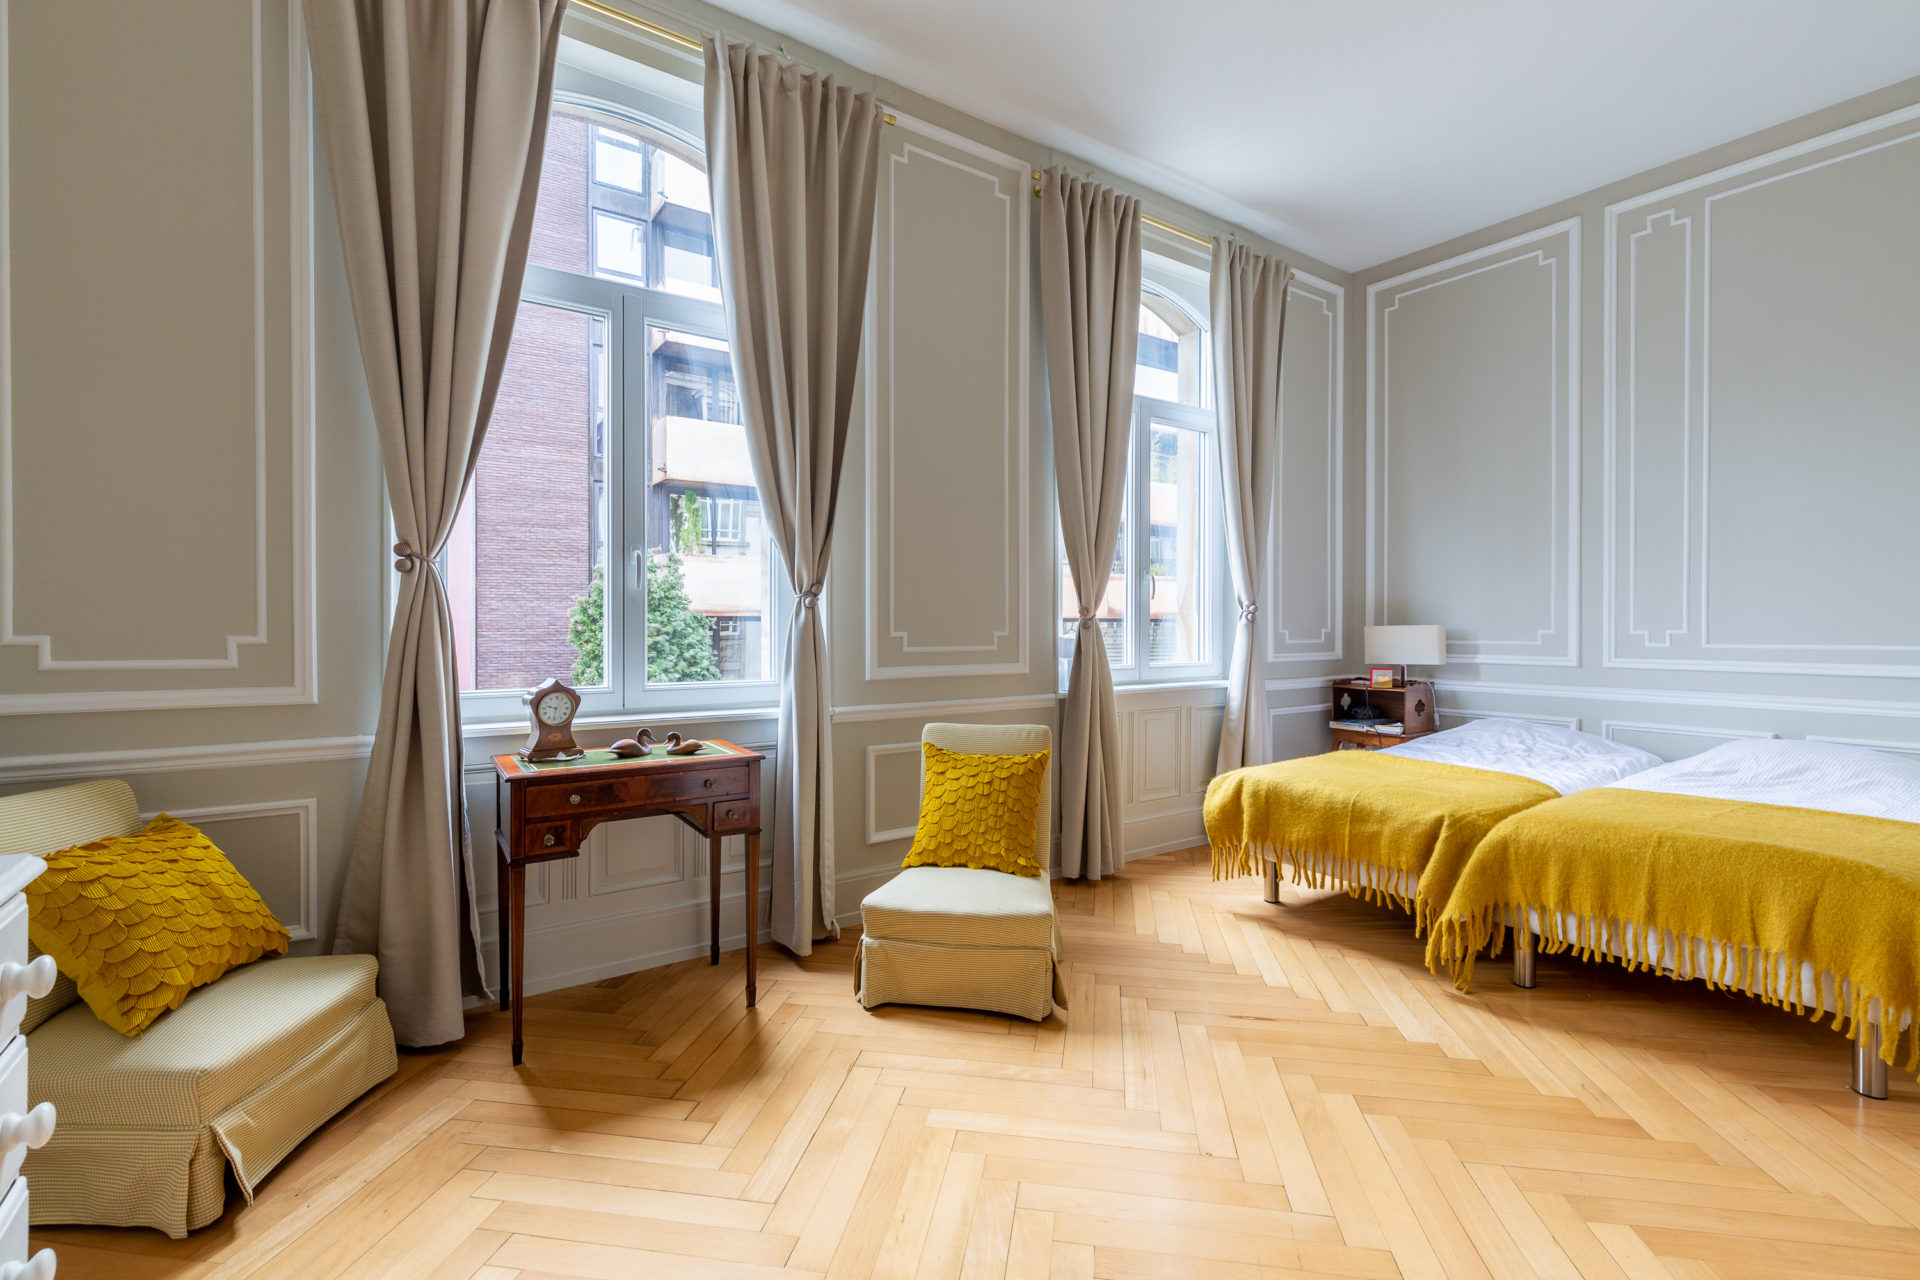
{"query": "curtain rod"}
pixel 1151 221
pixel 680 38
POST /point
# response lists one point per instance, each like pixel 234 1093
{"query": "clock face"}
pixel 555 709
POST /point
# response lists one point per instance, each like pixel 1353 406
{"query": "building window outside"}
pixel 612 535
pixel 1163 577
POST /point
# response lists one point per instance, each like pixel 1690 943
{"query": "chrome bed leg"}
pixel 1869 1070
pixel 1270 885
pixel 1523 954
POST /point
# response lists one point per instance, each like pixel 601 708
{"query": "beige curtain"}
pixel 434 117
pixel 1090 303
pixel 1249 321
pixel 794 160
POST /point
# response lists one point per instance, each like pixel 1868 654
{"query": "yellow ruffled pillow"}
pixel 139 921
pixel 979 811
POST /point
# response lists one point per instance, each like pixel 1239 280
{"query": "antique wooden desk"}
pixel 545 809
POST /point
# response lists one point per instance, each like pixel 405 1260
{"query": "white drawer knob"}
pixel 33 980
pixel 39 1267
pixel 30 1130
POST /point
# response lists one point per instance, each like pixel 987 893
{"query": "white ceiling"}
pixel 1360 130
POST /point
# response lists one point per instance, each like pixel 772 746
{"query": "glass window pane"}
pixel 1175 557
pixel 1112 612
pixel 1168 366
pixel 709 597
pixel 619 248
pixel 621 202
pixel 619 160
pixel 526 565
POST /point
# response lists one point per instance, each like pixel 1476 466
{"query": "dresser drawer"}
pixel 13 1106
pixel 13 1223
pixel 549 800
pixel 13 951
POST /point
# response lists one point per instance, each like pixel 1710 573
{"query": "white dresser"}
pixel 20 1127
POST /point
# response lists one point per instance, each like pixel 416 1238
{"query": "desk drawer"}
pixel 13 1106
pixel 553 800
pixel 13 1223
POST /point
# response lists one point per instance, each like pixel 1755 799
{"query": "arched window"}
pixel 613 533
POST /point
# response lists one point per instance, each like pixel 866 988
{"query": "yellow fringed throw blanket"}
pixel 1347 815
pixel 1645 874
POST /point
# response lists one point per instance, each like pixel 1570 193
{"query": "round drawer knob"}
pixel 709 783
pixel 39 1267
pixel 574 798
pixel 33 980
pixel 551 840
pixel 30 1130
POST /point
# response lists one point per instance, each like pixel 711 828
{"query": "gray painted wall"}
pixel 1650 454
pixel 144 467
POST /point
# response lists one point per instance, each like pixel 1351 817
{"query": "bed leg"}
pixel 1270 885
pixel 1869 1069
pixel 1523 954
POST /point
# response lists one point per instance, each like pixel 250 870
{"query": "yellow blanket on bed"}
pixel 1336 816
pixel 1647 873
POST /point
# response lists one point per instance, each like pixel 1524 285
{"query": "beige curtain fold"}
pixel 1090 304
pixel 434 118
pixel 1249 303
pixel 794 162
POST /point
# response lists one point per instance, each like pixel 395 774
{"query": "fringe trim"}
pixel 1313 869
pixel 1769 976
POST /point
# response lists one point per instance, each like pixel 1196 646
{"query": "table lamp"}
pixel 1424 646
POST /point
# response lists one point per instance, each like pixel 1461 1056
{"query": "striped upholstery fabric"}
pixel 235 1077
pixel 40 822
pixel 965 937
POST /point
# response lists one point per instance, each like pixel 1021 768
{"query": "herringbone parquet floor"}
pixel 1238 1091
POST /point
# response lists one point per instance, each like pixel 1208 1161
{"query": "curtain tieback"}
pixel 810 598
pixel 1248 610
pixel 1087 619
pixel 405 557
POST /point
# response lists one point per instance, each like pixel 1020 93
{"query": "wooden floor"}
pixel 1238 1091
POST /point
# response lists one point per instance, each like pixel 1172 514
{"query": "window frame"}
pixel 630 310
pixel 1136 544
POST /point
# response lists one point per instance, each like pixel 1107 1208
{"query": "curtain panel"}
pixel 1090 305
pixel 794 160
pixel 1249 304
pixel 433 114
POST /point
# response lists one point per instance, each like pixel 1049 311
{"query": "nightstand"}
pixel 1409 704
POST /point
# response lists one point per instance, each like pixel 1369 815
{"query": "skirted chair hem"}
pixel 1022 981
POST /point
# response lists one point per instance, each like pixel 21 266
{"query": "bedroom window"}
pixel 1162 591
pixel 613 535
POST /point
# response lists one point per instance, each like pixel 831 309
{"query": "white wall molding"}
pixel 1007 176
pixel 306 815
pixel 1612 730
pixel 1563 582
pixel 1692 698
pixel 906 711
pixel 875 833
pixel 1626 644
pixel 1534 717
pixel 73 766
pixel 1332 300
pixel 301 500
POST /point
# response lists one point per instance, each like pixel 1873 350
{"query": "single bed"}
pixel 1374 821
pixel 1787 870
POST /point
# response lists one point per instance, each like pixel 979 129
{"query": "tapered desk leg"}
pixel 517 911
pixel 713 881
pixel 501 880
pixel 753 908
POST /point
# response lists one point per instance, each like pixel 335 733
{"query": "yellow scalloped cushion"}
pixel 979 811
pixel 139 921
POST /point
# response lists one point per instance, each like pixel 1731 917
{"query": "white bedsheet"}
pixel 1805 775
pixel 1564 759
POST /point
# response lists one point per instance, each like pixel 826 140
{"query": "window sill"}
pixel 1165 686
pixel 624 719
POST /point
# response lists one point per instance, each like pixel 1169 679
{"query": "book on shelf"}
pixel 1389 728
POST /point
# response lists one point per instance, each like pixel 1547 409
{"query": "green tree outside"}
pixel 679 639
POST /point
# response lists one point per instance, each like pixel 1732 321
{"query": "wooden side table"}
pixel 1410 704
pixel 545 809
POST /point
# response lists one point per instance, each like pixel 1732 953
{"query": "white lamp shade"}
pixel 1420 646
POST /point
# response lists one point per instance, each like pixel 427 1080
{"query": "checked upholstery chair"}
pixel 966 937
